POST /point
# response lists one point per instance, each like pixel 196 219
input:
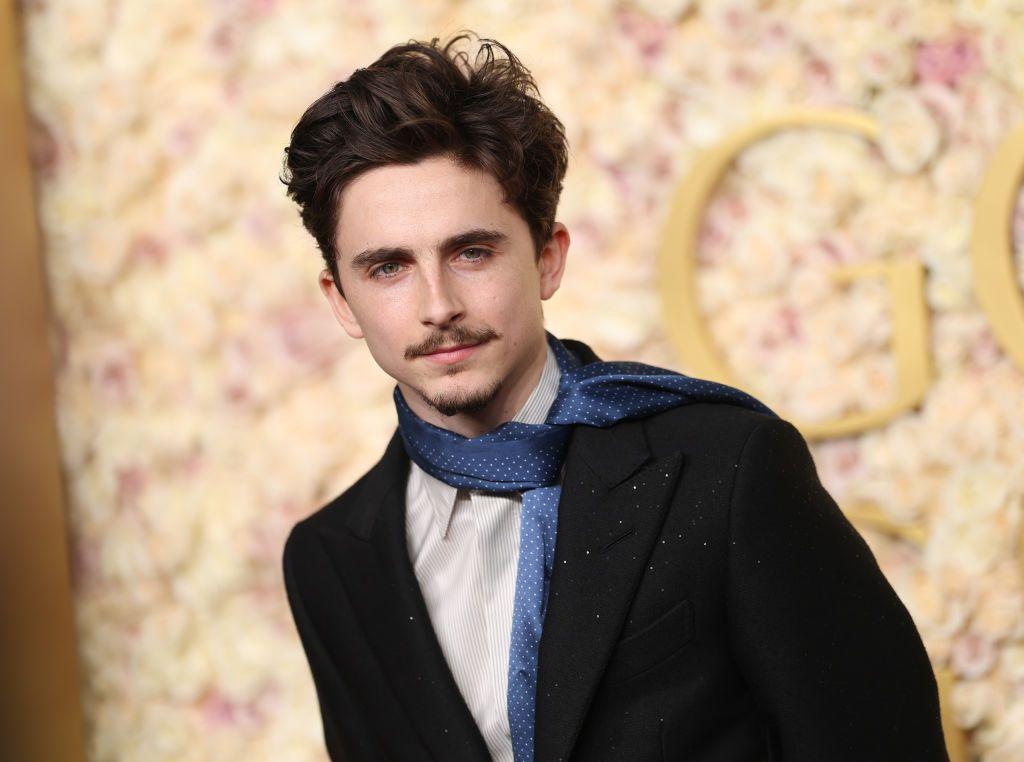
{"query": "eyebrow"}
pixel 371 257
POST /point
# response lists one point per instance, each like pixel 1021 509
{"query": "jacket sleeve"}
pixel 830 652
pixel 307 572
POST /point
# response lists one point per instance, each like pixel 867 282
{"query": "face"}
pixel 431 257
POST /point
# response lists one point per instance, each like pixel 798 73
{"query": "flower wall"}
pixel 207 400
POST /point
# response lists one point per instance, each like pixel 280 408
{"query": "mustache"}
pixel 456 336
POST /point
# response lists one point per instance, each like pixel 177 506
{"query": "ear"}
pixel 552 260
pixel 339 305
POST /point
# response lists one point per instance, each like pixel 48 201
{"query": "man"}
pixel 705 598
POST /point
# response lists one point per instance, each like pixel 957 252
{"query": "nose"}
pixel 439 298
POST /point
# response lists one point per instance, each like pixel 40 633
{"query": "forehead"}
pixel 416 205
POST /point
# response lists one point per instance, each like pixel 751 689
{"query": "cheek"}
pixel 385 309
pixel 515 293
pixel 387 343
pixel 505 305
pixel 385 321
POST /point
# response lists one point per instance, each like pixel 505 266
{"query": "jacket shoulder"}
pixel 705 426
pixel 335 512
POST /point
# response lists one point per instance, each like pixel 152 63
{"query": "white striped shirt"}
pixel 464 548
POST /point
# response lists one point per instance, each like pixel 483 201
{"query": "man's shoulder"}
pixel 710 427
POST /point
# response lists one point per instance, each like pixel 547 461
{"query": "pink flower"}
pixel 131 482
pixel 181 140
pixel 839 249
pixel 947 61
pixel 789 321
pixel 113 374
pixel 218 711
pixel 647 34
pixel 984 352
pixel 973 655
pixel 44 151
pixel 148 248
pixel 307 335
pixel 726 212
pixel 237 353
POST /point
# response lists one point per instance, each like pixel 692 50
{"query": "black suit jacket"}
pixel 709 603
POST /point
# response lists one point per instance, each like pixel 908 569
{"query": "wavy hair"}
pixel 420 100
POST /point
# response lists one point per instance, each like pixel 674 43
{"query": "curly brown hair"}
pixel 417 101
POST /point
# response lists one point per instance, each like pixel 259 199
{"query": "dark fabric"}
pixel 709 603
pixel 527 458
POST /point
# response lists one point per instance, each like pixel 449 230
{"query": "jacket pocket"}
pixel 652 645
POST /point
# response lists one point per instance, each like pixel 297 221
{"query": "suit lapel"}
pixel 389 605
pixel 613 504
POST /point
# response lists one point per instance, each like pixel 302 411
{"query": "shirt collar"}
pixel 440 495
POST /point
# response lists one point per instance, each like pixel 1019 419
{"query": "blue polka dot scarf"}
pixel 527 458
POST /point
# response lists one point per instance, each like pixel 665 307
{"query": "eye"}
pixel 378 271
pixel 484 253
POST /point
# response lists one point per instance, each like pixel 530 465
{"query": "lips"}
pixel 448 356
pixel 452 349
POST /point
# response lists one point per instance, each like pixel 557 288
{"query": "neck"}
pixel 515 390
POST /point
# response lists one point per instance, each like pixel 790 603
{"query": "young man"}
pixel 705 598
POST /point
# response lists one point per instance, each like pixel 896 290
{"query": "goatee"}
pixel 463 402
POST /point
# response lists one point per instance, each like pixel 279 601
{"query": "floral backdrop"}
pixel 207 400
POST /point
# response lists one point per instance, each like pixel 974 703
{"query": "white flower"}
pixel 973 700
pixel 168 662
pixel 1000 609
pixel 1012 662
pixel 217 565
pixel 909 136
pixel 958 171
pixel 124 556
pixel 163 731
pixel 975 492
pixel 242 645
pixel 1002 737
pixel 969 549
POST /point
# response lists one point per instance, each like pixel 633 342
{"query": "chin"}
pixel 455 398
